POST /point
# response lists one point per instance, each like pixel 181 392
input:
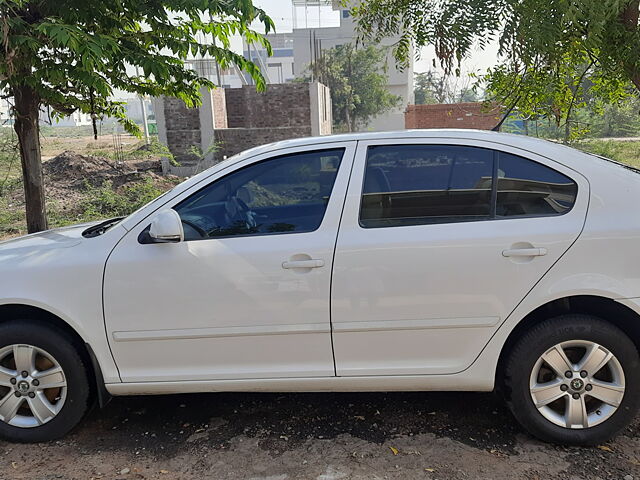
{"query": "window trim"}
pixel 342 148
pixel 494 186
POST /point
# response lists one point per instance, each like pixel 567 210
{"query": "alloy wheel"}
pixel 577 384
pixel 33 386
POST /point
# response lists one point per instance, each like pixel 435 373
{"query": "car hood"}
pixel 65 237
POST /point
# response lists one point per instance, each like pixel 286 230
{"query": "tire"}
pixel 571 420
pixel 54 349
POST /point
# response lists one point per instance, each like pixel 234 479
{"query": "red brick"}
pixel 452 115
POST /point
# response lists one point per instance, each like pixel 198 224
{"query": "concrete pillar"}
pixel 161 125
pixel 314 102
pixel 158 109
pixel 320 109
pixel 207 125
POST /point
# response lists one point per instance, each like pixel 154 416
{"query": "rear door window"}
pixel 426 184
pixel 422 184
pixel 527 188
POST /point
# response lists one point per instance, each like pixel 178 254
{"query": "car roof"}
pixel 562 154
pixel 533 144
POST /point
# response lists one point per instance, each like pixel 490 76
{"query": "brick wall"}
pixel 234 140
pixel 282 105
pixel 242 118
pixel 182 129
pixel 178 116
pixel 454 115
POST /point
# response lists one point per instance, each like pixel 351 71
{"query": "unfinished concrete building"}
pixel 231 120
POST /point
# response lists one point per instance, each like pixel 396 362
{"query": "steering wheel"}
pixel 246 211
pixel 201 232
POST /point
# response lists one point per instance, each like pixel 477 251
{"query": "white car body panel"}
pixel 463 332
pixel 418 299
pixel 233 311
pixel 60 272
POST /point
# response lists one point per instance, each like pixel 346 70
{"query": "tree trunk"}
pixel 629 17
pixel 347 115
pixel 27 110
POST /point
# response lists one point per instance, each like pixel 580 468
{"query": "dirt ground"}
pixel 68 176
pixel 313 436
pixel 86 145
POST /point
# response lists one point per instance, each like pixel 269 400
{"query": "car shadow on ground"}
pixel 313 436
pixel 163 423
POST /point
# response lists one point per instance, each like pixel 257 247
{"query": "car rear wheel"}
pixel 573 379
pixel 44 388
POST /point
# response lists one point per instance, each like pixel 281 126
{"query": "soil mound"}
pixel 72 170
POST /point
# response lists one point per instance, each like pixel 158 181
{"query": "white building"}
pixel 280 66
pixel 293 52
pixel 76 119
pixel 223 77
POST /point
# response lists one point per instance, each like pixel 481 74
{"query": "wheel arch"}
pixel 605 308
pixel 14 311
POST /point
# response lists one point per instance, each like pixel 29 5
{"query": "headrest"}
pixel 376 181
pixel 245 195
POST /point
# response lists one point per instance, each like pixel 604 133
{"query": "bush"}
pixel 104 201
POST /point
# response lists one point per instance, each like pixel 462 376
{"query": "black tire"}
pixel 62 347
pixel 543 336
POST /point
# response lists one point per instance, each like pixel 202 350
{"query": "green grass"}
pixel 624 152
pixel 9 158
pixel 12 219
pixel 71 132
pixel 105 202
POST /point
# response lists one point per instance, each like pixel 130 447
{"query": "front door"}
pixel 438 244
pixel 246 295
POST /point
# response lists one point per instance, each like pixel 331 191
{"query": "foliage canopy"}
pixel 74 54
pixel 70 55
pixel 432 87
pixel 546 48
pixel 359 86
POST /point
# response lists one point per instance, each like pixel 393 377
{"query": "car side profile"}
pixel 415 260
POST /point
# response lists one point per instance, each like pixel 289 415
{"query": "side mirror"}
pixel 166 227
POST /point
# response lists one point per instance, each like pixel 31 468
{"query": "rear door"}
pixel 438 243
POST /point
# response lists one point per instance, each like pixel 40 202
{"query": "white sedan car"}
pixel 415 260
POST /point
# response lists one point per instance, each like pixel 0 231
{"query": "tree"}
pixel 546 47
pixel 432 87
pixel 429 88
pixel 617 120
pixel 359 91
pixel 71 55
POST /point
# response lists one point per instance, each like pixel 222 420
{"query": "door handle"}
pixel 524 252
pixel 313 263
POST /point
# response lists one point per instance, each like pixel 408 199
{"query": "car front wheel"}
pixel 573 379
pixel 44 389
